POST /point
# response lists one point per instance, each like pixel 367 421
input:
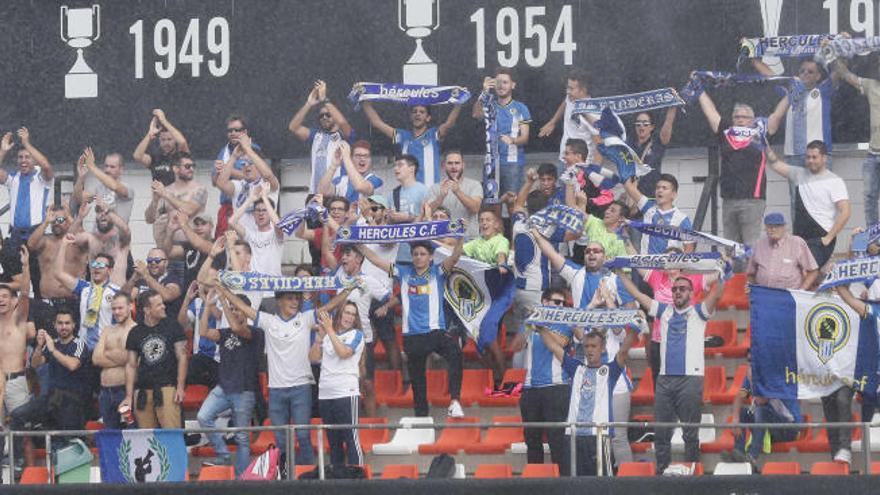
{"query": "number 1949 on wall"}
pixel 169 57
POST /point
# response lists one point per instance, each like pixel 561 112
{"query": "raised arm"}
pixel 841 71
pixel 713 118
pixel 140 152
pixel 222 180
pixel 627 343
pixel 5 146
pixel 239 327
pixel 843 213
pixel 634 291
pixel 857 304
pixel 64 278
pixel 711 300
pixel 24 301
pixel 446 126
pixel 361 185
pixel 774 120
pixel 551 343
pixel 258 161
pixel 248 311
pixel 178 136
pixel 335 113
pixel 668 124
pixel 557 261
pixel 520 203
pixel 376 121
pixel 46 170
pixel 449 263
pixel 775 163
pixel 205 331
pixel 113 184
pixel 374 258
pixel 548 128
pixel 325 184
pixel 198 242
pixel 477 109
pixel 296 126
pixel 632 190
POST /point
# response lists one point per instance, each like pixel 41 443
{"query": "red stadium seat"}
pixel 829 468
pixel 540 471
pixel 300 469
pixel 264 440
pixel 493 471
pixel 723 442
pixel 387 384
pixel 473 385
pixel 370 437
pixel 726 329
pixel 33 475
pixel 727 395
pixel 734 295
pixel 452 440
pixel 397 471
pixel 643 395
pixel 193 397
pixel 628 469
pixel 264 385
pixel 743 346
pixel 875 467
pixel 217 473
pixel 314 435
pixel 498 439
pixel 781 468
pixel 438 387
pixel 714 381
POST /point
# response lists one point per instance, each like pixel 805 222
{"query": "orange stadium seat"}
pixel 714 381
pixel 734 296
pixel 264 385
pixel 628 469
pixel 641 447
pixel 540 471
pixel 875 467
pixel 193 397
pixel 742 347
pixel 370 437
pixel 387 384
pixel 452 440
pixel 33 475
pixel 727 395
pixel 781 468
pixel 217 473
pixel 493 471
pixel 517 375
pixel 498 439
pixel 643 395
pixel 397 471
pixel 300 469
pixel 438 387
pixel 726 329
pixel 474 384
pixel 829 468
pixel 314 435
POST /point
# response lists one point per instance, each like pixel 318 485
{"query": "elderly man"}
pixel 780 259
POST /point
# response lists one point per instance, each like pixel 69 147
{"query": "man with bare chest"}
pixel 45 245
pixel 15 330
pixel 184 194
pixel 110 355
pixel 112 237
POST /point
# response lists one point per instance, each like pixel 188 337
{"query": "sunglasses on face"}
pixel 60 219
pixel 98 264
pixel 324 115
pixel 642 123
pixel 361 157
pixel 594 251
pixel 377 208
pixel 230 130
pixel 155 261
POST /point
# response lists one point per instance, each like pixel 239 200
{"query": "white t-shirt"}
pixel 819 192
pixel 387 252
pixel 266 247
pixel 339 376
pixel 363 296
pixel 287 346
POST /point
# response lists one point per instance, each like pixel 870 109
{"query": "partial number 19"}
pixel 507 33
pixel 165 47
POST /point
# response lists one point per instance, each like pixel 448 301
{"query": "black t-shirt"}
pixel 10 264
pixel 240 361
pixel 160 166
pixel 741 169
pixel 172 308
pixel 651 152
pixel 155 347
pixel 192 263
pixel 62 378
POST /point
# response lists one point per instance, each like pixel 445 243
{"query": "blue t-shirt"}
pixel 411 199
pixel 508 119
pixel 426 149
pixel 343 187
pixel 421 295
pixel 223 155
pixel 542 367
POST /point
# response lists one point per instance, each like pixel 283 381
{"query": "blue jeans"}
pixel 108 405
pixel 293 403
pixel 510 177
pixel 871 178
pixel 242 405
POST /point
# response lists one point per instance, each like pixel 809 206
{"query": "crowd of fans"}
pixel 69 293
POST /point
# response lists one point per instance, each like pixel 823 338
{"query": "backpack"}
pixel 443 466
pixel 338 472
pixel 264 467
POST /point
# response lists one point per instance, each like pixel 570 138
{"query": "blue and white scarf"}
pixel 614 147
pixel 702 79
pixel 402 232
pixel 792 46
pixel 555 315
pixel 292 220
pixel 686 262
pixel 851 271
pixel 411 94
pixel 846 48
pixel 686 235
pixel 548 219
pixel 493 157
pixel 253 281
pixel 873 233
pixel 644 101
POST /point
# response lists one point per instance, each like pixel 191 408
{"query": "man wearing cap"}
pixel 781 260
pixel 822 202
pixel 256 174
pixel 460 195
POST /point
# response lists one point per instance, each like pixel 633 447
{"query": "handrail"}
pixel 602 428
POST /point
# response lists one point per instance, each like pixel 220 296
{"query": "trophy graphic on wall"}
pixel 418 18
pixel 79 28
pixel 771 13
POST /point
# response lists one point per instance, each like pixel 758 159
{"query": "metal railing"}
pixel 602 434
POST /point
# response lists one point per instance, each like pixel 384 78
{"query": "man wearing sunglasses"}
pixel 679 390
pixel 547 388
pixel 332 129
pixel 95 296
pixel 184 194
pixel 236 127
pixel 153 274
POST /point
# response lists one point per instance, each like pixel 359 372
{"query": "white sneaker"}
pixel 455 410
pixel 843 455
